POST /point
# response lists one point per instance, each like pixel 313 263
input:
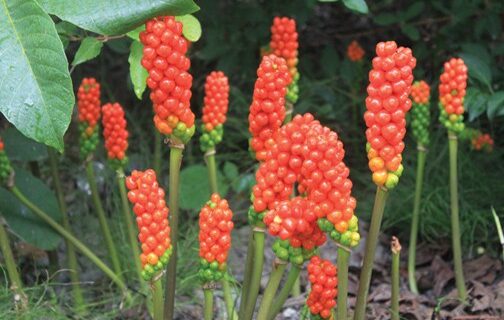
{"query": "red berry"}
pixel 88 104
pixel 284 41
pixel 420 92
pixel 322 275
pixel 114 131
pixel 216 100
pixel 452 86
pixel 355 51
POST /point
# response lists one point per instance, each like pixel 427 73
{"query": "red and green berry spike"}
pixel 115 134
pixel 452 90
pixel 355 52
pixel 5 165
pixel 215 107
pixel 215 222
pixel 267 111
pixel 89 109
pixel 323 277
pixel 482 142
pixel 164 57
pixel 284 43
pixel 151 213
pixel 420 113
pixel 387 104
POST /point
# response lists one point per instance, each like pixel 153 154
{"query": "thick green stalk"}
pixel 255 280
pixel 208 311
pixel 280 298
pixel 157 299
pixel 455 223
pixel 68 236
pixel 72 257
pixel 158 143
pixel 396 258
pixel 271 289
pixel 212 170
pixel 296 288
pixel 129 223
pixel 249 264
pixel 116 265
pixel 175 162
pixel 343 258
pixel 416 218
pixel 228 299
pixel 15 280
pixel 371 242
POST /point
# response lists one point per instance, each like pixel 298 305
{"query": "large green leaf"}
pixel 22 221
pixel 495 105
pixel 18 147
pixel 191 27
pixel 475 103
pixel 478 69
pixel 195 188
pixel 138 73
pixel 36 92
pixel 113 17
pixel 359 6
pixel 89 49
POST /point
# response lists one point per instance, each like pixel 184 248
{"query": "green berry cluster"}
pixel 255 218
pixel 420 124
pixel 393 177
pixel 349 238
pixel 293 90
pixel 5 167
pixel 452 122
pixel 211 271
pixel 284 251
pixel 117 164
pixel 183 133
pixel 209 140
pixel 87 143
pixel 150 271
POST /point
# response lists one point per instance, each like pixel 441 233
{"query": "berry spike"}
pixel 482 141
pixel 267 110
pixel 89 109
pixel 284 43
pixel 420 93
pixel 452 90
pixel 215 222
pixel 215 107
pixel 387 104
pixel 152 221
pixel 355 52
pixel 5 165
pixel 164 57
pixel 323 277
pixel 115 134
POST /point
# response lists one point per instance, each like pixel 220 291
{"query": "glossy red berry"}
pixel 284 41
pixel 452 91
pixel 216 100
pixel 355 51
pixel 420 92
pixel 151 212
pixel 387 104
pixel 89 112
pixel 115 133
pixel 323 278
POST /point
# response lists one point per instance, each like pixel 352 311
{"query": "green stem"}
pixel 16 285
pixel 249 264
pixel 158 142
pixel 175 161
pixel 68 236
pixel 157 299
pixel 129 223
pixel 71 255
pixel 212 170
pixel 396 256
pixel 208 312
pixel 103 220
pixel 414 223
pixel 455 223
pixel 280 298
pixel 371 242
pixel 228 298
pixel 271 289
pixel 296 288
pixel 255 280
pixel 343 258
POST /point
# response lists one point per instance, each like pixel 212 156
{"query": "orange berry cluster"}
pixel 115 134
pixel 215 222
pixel 420 92
pixel 5 166
pixel 452 90
pixel 215 107
pixel 483 142
pixel 89 109
pixel 323 276
pixel 310 154
pixel 151 212
pixel 387 104
pixel 164 57
pixel 355 51
pixel 267 110
pixel 420 113
pixel 284 43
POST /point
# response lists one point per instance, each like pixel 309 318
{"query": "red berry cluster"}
pixel 151 212
pixel 452 90
pixel 310 154
pixel 115 133
pixel 267 110
pixel 387 104
pixel 5 166
pixel 284 41
pixel 355 51
pixel 216 100
pixel 164 57
pixel 89 108
pixel 215 222
pixel 324 287
pixel 483 141
pixel 420 92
